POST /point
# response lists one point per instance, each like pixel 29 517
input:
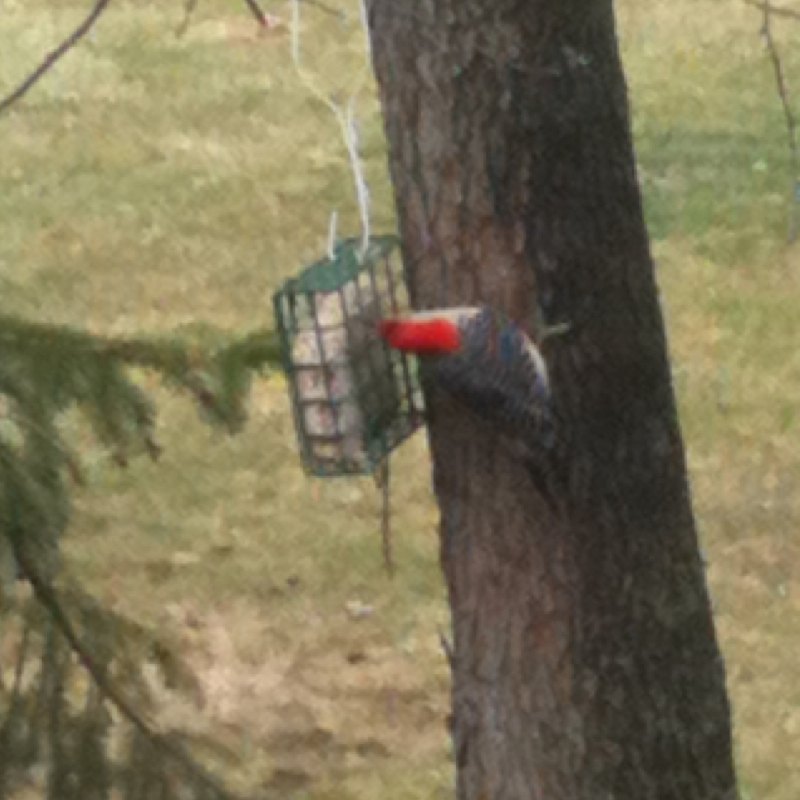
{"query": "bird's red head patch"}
pixel 423 337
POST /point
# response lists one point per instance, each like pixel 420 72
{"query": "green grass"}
pixel 152 182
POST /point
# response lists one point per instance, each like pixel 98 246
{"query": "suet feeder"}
pixel 354 400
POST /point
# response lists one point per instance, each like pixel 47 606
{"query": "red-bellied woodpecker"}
pixel 486 362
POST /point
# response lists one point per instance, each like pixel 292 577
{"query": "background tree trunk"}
pixel 586 664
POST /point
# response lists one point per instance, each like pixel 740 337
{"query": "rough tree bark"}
pixel 585 662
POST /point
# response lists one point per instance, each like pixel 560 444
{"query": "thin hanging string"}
pixel 345 118
pixel 382 479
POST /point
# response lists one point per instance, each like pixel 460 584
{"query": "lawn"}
pixel 152 181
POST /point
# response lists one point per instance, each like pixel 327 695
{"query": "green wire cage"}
pixel 354 400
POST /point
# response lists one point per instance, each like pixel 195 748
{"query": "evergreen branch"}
pixel 48 434
pixel 167 354
pixel 6 729
pixel 48 597
pixel 54 56
pixel 83 367
pixel 44 368
pixel 255 350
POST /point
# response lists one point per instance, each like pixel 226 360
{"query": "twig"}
pixel 191 5
pixel 188 11
pixel 778 11
pixel 258 13
pixel 791 122
pixel 54 56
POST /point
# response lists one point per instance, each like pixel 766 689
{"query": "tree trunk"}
pixel 585 661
